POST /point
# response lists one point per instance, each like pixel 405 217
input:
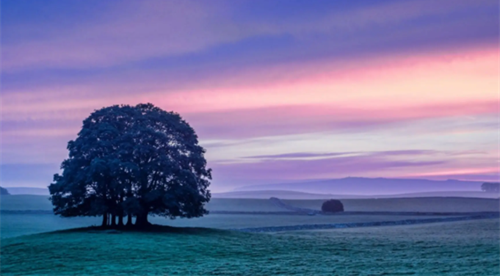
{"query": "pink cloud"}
pixel 316 118
pixel 384 84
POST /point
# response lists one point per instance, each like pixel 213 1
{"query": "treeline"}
pixel 131 161
pixel 4 191
pixel 491 187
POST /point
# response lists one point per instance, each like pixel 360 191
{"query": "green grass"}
pixel 13 225
pixel 452 248
pixel 458 248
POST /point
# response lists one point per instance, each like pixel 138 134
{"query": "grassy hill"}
pixel 441 249
pixel 369 186
pixel 283 194
pixel 31 221
pixel 279 194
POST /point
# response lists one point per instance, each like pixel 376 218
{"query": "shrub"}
pixel 332 205
pixel 4 191
pixel 491 187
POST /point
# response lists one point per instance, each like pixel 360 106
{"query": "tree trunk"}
pixel 104 220
pixel 120 220
pixel 129 220
pixel 113 220
pixel 109 219
pixel 142 220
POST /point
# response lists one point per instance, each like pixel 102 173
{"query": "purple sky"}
pixel 276 90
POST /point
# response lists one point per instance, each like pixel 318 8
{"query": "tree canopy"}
pixel 492 187
pixel 332 205
pixel 133 161
pixel 4 191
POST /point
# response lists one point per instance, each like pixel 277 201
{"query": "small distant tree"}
pixel 4 191
pixel 332 206
pixel 491 187
pixel 133 161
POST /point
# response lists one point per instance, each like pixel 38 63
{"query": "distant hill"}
pixel 27 191
pixel 266 194
pixel 4 191
pixel 469 194
pixel 351 187
pixel 369 186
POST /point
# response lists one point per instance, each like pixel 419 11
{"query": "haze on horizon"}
pixel 277 91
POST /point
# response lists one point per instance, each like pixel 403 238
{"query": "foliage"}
pixel 133 161
pixel 332 205
pixel 491 187
pixel 4 191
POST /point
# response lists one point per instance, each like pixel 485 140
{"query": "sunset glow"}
pixel 279 96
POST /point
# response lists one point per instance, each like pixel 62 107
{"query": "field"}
pixel 430 204
pixel 211 245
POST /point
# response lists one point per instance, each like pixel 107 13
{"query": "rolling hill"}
pixel 369 186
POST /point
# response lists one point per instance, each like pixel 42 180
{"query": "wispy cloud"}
pixel 131 31
pixel 330 88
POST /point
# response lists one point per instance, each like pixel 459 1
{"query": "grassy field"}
pixel 434 249
pixel 13 225
pixel 419 204
pixel 208 247
pixel 23 224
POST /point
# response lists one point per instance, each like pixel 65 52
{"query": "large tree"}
pixel 133 161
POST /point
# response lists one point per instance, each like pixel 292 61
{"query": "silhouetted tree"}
pixel 133 161
pixel 491 187
pixel 171 168
pixel 332 205
pixel 4 191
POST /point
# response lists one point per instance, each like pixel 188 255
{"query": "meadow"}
pixel 212 245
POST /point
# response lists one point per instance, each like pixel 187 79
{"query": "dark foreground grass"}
pixel 454 248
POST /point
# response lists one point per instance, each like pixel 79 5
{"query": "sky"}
pixel 277 91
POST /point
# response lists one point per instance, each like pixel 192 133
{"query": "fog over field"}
pixel 371 186
pixel 351 187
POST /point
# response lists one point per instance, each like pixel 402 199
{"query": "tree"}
pixel 332 205
pixel 133 161
pixel 4 191
pixel 491 187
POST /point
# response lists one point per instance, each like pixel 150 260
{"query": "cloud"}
pixel 308 155
pixel 329 88
pixel 119 33
pixel 284 169
pixel 271 121
pixel 298 155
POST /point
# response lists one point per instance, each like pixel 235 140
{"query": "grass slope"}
pixel 13 225
pixel 283 194
pixel 460 248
